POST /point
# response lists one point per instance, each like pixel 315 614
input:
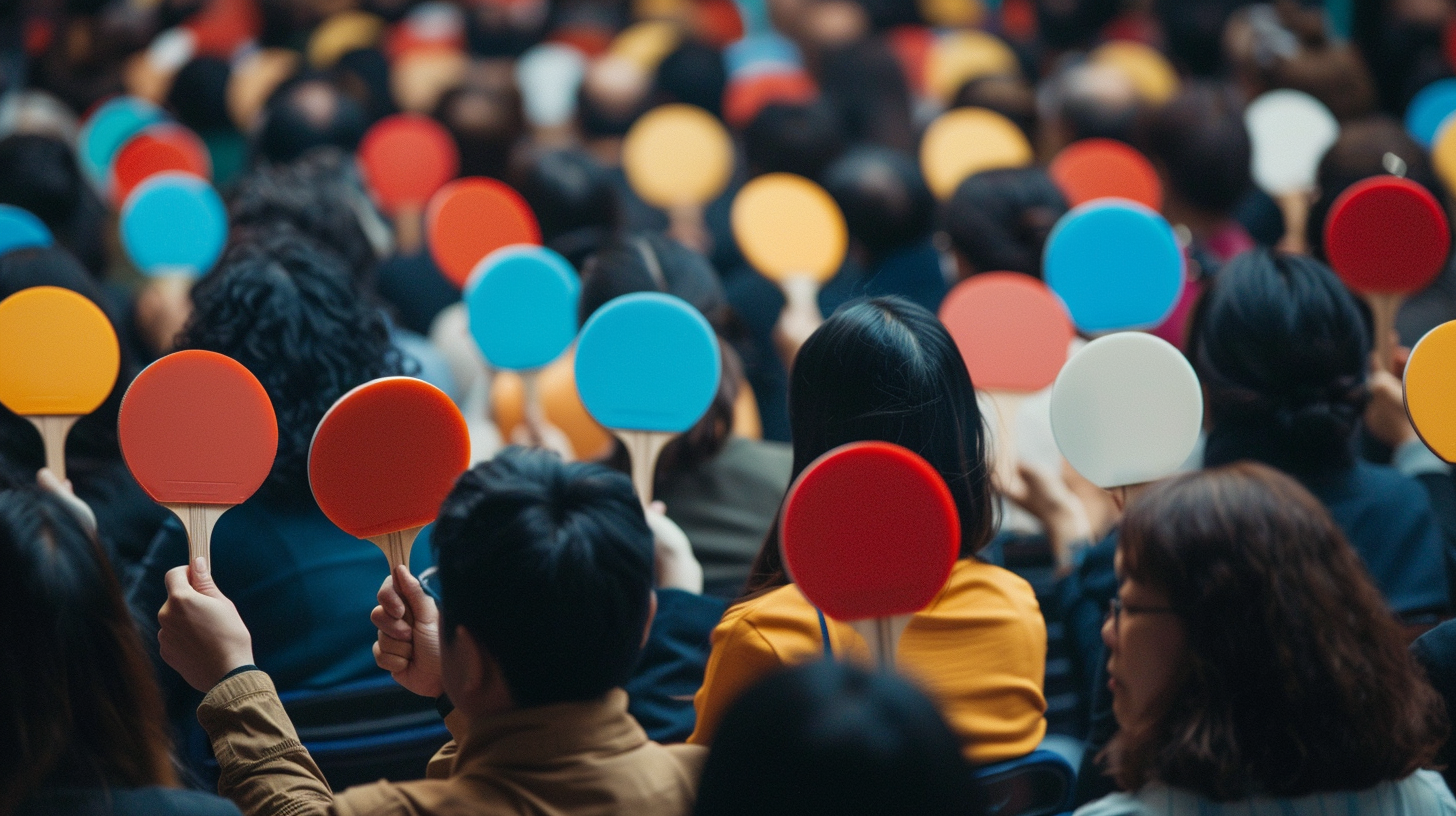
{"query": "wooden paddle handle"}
pixel 533 414
pixel 53 432
pixel 1295 209
pixel 409 228
pixel 199 519
pixel 1007 455
pixel 644 447
pixel 396 547
pixel 1384 307
pixel 883 637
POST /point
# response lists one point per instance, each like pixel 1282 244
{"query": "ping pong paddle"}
pixel 20 229
pixel 961 56
pixel 1430 390
pixel 404 159
pixel 647 368
pixel 870 534
pixel 198 432
pixel 790 229
pixel 1387 237
pixel 1290 131
pixel 58 361
pixel 1126 409
pixel 679 158
pixel 522 306
pixel 747 95
pixel 1013 332
pixel 549 76
pixel 646 43
pixel 470 218
pixel 762 51
pixel 1443 155
pixel 158 149
pixel 1091 169
pixel 341 33
pixel 560 403
pixel 1116 264
pixel 1152 76
pixel 384 458
pixel 966 141
pixel 107 129
pixel 173 224
pixel 1429 108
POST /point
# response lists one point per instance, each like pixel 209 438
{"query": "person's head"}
pixel 1252 654
pixel 831 739
pixel 574 200
pixel 1368 147
pixel 199 94
pixel 1085 100
pixel 1199 144
pixel 800 139
pixel 487 121
pixel 653 262
pixel 999 220
pixel 1281 350
pixel 866 88
pixel 39 174
pixel 78 704
pixel 283 306
pixel 546 575
pixel 885 202
pixel 1007 94
pixel 693 74
pixel 613 94
pixel 885 369
pixel 304 113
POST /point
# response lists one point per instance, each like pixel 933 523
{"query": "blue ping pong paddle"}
pixel 1116 264
pixel 20 229
pixel 107 129
pixel 1429 108
pixel 647 368
pixel 173 224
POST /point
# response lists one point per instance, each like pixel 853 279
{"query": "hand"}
pixel 63 491
pixel 202 636
pixel 677 567
pixel 1046 495
pixel 162 309
pixel 799 319
pixel 1385 416
pixel 409 651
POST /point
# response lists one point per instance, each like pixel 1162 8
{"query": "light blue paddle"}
pixel 173 224
pixel 1429 108
pixel 20 229
pixel 1116 264
pixel 647 368
pixel 106 130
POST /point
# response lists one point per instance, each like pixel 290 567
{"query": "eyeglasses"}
pixel 1116 607
pixel 430 582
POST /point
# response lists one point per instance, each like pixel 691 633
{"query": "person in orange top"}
pixel 885 369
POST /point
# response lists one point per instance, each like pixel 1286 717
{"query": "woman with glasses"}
pixel 1253 665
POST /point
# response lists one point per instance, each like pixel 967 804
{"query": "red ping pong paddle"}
pixel 1387 237
pixel 198 432
pixel 470 218
pixel 1105 168
pixel 158 149
pixel 404 159
pixel 383 459
pixel 870 534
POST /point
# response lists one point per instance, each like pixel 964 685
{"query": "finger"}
pixel 390 625
pixel 414 594
pixel 391 663
pixel 176 581
pixel 390 600
pixel 398 648
pixel 201 575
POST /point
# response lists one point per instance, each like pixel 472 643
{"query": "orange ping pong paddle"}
pixel 470 218
pixel 1105 168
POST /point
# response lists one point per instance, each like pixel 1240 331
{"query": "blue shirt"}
pixel 1423 793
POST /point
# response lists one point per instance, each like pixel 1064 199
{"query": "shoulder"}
pixel 773 613
pixel 1430 793
pixel 150 801
pixel 1116 804
pixel 988 583
pixel 1389 486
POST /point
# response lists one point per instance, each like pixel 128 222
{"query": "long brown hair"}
pixel 79 706
pixel 1298 678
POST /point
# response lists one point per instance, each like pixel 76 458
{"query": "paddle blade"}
pixel 1430 390
pixel 173 223
pixel 196 427
pixel 58 353
pixel 522 306
pixel 787 226
pixel 1289 131
pixel 1012 331
pixel 966 141
pixel 1387 235
pixel 869 530
pixel 1126 409
pixel 160 148
pixel 677 156
pixel 1106 168
pixel 20 229
pixel 647 362
pixel 1116 265
pixel 385 456
pixel 405 158
pixel 470 218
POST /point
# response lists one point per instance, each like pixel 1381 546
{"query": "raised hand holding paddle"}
pixel 1116 264
pixel 1289 131
pixel 870 534
pixel 58 362
pixel 679 157
pixel 405 159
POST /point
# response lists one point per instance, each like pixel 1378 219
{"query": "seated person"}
pixel 1254 667
pixel 999 220
pixel 545 579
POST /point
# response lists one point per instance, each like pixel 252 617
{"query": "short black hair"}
pixel 885 201
pixel 999 220
pixel 305 112
pixel 693 74
pixel 1200 140
pixel 786 138
pixel 573 198
pixel 549 566
pixel 39 173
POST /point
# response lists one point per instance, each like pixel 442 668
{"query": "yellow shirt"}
pixel 979 650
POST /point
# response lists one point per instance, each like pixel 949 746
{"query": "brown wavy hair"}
pixel 1298 677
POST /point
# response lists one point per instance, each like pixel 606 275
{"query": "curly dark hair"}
pixel 1298 679
pixel 281 304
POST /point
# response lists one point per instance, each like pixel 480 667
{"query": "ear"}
pixel 477 668
pixel 651 614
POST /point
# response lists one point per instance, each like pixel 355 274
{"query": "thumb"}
pixel 200 575
pixel 413 593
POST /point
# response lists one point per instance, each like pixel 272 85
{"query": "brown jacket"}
pixel 570 759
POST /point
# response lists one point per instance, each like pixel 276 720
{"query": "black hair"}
pixel 39 173
pixel 550 567
pixel 486 123
pixel 799 139
pixel 305 112
pixel 694 74
pixel 1009 95
pixel 282 305
pixel 833 739
pixel 885 201
pixel 885 369
pixel 1281 349
pixel 1199 140
pixel 866 88
pixel 1090 102
pixel 199 94
pixel 999 220
pixel 1065 24
pixel 574 200
pixel 363 74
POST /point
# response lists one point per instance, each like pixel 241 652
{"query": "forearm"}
pixel 264 768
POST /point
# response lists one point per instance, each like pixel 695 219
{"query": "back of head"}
pixel 78 705
pixel 199 94
pixel 574 200
pixel 884 199
pixel 800 139
pixel 867 90
pixel 1281 349
pixel 282 305
pixel 693 74
pixel 1297 678
pixel 1085 101
pixel 1000 220
pixel 39 174
pixel 550 567
pixel 1007 94
pixel 305 113
pixel 1369 147
pixel 832 739
pixel 1199 142
pixel 487 121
